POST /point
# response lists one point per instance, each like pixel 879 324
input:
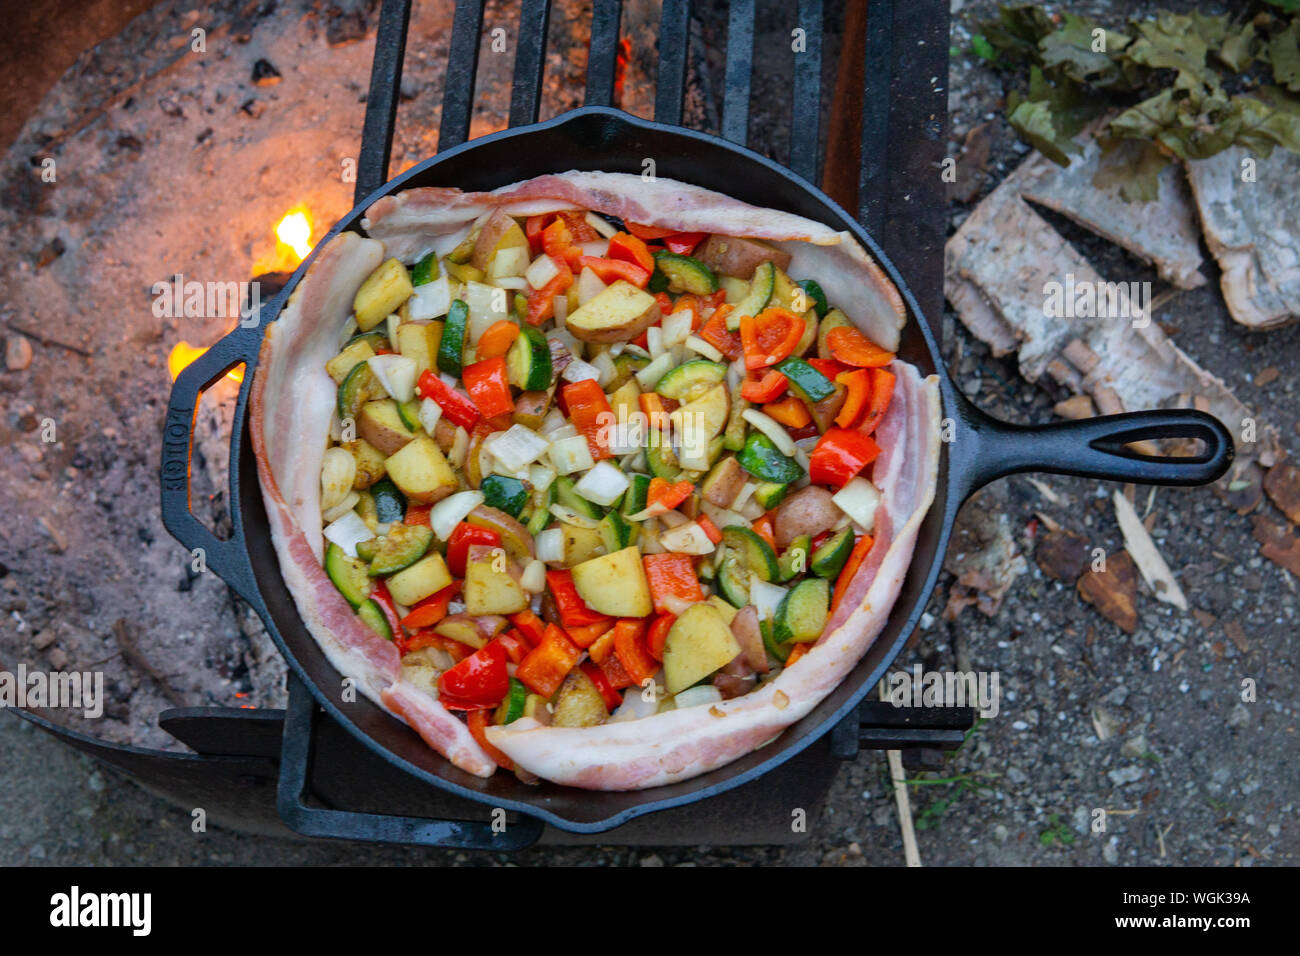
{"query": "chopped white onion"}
pixel 673 519
pixel 601 225
pixel 701 347
pixel 430 412
pixel 570 454
pixel 697 696
pixel 677 327
pixel 451 511
pixel 390 327
pixel 743 495
pixel 560 305
pixel 533 578
pixel 772 429
pixel 518 447
pixel 605 368
pixel 859 500
pixel 589 286
pixel 597 248
pixel 513 283
pixel 569 516
pixel 511 261
pixel 654 340
pixel 550 545
pixel 343 507
pixel 347 532
pixel 431 300
pixel 553 422
pixel 602 485
pixel 396 373
pixel 635 706
pixel 687 538
pixel 487 304
pixel 722 517
pixel 540 477
pixel 459 448
pixel 765 597
pixel 649 376
pixel 580 371
pixel 338 471
pixel 542 271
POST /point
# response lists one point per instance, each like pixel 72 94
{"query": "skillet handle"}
pixel 315 821
pixel 985 448
pixel 229 559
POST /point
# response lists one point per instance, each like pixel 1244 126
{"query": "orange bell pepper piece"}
pixel 715 332
pixel 671 576
pixel 859 554
pixel 544 668
pixel 497 339
pixel 629 248
pixel 478 723
pixel 629 646
pixel 882 390
pixel 789 411
pixel 661 492
pixel 851 347
pixel 858 394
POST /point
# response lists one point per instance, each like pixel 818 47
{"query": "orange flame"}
pixel 183 354
pixel 294 231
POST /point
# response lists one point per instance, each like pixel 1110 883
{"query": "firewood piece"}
pixel 1143 550
pixel 1076 407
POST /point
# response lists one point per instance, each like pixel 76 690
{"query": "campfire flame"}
pixel 182 354
pixel 294 230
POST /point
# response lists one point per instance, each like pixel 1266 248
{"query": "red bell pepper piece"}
pixel 667 494
pixel 684 243
pixel 629 645
pixel 672 580
pixel 764 527
pixel 715 332
pixel 541 302
pixel 649 232
pixel 515 646
pixel 462 537
pixel 586 634
pixel 829 367
pixel 858 394
pixel 629 248
pixel 432 609
pixel 764 390
pixel 859 554
pixel 456 408
pixel 666 304
pixel 533 227
pixel 610 270
pixel 489 387
pixel 558 243
pixel 572 609
pixel 379 594
pixel 529 625
pixel 607 690
pixel 547 664
pixel 611 668
pixel 839 455
pixel 589 411
pixel 882 390
pixel 657 635
pixel 710 529
pixel 477 720
pixel 603 646
pixel 479 681
pixel 853 348
pixel 770 336
pixel 417 514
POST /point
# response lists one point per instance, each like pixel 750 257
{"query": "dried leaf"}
pixel 1284 54
pixel 1131 165
pixel 1282 483
pixel 1277 544
pixel 1063 555
pixel 1072 48
pixel 1113 591
pixel 1238 49
pixel 1017 31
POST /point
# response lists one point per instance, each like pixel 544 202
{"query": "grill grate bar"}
pixel 530 62
pixel 462 64
pixel 740 69
pixel 874 170
pixel 602 55
pixel 674 40
pixel 381 104
pixel 805 123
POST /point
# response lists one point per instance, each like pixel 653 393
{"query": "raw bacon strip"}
pixel 679 744
pixel 417 220
pixel 292 402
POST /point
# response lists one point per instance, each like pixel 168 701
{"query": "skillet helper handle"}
pixel 295 767
pixel 229 559
pixel 1091 448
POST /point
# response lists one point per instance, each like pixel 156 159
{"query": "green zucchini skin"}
pixel 390 503
pixel 806 380
pixel 400 548
pixel 794 559
pixel 355 390
pixel 425 271
pixel 451 348
pixel 348 574
pixel 828 560
pixel 755 553
pixel 761 287
pixel 685 274
pixel 504 493
pixel 769 494
pixel 371 613
pixel 816 295
pixel 690 376
pixel 528 362
pixel 569 498
pixel 801 616
pixel 761 459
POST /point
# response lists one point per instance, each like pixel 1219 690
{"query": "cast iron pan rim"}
pixel 847 223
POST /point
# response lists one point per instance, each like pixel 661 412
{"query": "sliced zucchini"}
pixel 769 494
pixel 566 496
pixel 512 707
pixel 357 388
pixel 409 413
pixel 685 274
pixel 690 379
pixel 780 651
pixel 794 559
pixel 660 458
pixel 373 615
pixel 806 380
pixel 733 580
pixel 761 459
pixel 617 532
pixel 757 554
pixel 425 271
pixel 801 615
pixel 760 293
pixel 451 349
pixel 400 548
pixel 625 366
pixel 390 503
pixel 733 436
pixel 504 493
pixel 828 560
pixel 816 296
pixel 528 363
pixel 634 499
pixel 348 574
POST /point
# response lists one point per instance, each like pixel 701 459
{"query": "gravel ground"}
pixel 1150 727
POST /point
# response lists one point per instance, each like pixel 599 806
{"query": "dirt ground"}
pixel 1150 727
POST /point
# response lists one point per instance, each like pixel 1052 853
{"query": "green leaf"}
pixel 1032 119
pixel 1238 49
pixel 1284 53
pixel 1016 31
pixel 1133 167
pixel 1085 52
pixel 1271 120
pixel 982 48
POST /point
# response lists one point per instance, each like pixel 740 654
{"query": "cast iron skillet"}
pixel 981 449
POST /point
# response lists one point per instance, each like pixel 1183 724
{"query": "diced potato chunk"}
pixel 578 703
pixel 380 424
pixel 421 471
pixel 489 586
pixel 427 576
pixel 370 463
pixel 348 359
pixel 499 232
pixel 619 314
pixel 381 294
pixel 699 642
pixel 615 584
pixel 420 342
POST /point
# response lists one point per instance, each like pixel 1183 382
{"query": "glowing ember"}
pixel 182 354
pixel 294 230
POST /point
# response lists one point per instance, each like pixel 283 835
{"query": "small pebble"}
pixel 18 353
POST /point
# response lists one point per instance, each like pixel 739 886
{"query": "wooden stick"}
pixel 46 340
pixel 137 659
pixel 911 852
